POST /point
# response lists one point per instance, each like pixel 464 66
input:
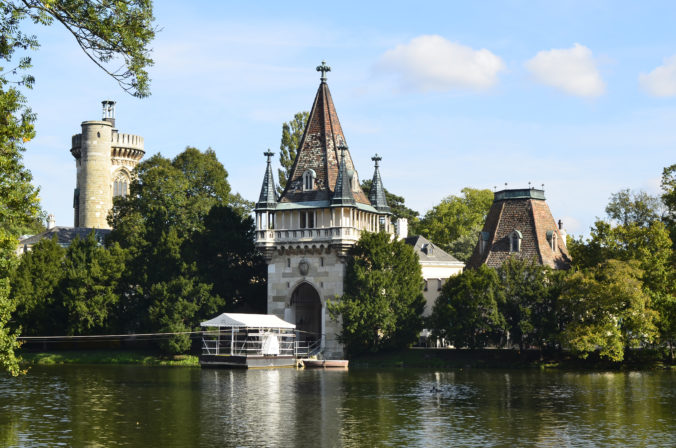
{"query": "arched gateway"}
pixel 306 309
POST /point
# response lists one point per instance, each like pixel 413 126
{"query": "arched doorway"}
pixel 307 309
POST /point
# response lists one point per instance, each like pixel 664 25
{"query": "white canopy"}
pixel 247 320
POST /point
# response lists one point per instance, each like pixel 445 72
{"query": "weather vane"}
pixel 324 69
pixel 376 159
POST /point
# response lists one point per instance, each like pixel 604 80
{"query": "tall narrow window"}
pixel 309 180
pixel 120 184
pixel 515 241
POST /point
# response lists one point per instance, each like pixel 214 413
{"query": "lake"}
pixel 107 406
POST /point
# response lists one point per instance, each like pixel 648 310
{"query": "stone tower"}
pixel 306 232
pixel 104 159
pixel 519 224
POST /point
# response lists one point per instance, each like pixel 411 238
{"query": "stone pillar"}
pixel 94 174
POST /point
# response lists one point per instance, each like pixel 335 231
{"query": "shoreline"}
pixel 416 358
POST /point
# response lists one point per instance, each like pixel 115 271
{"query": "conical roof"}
pixel 318 151
pixel 268 197
pixel 342 194
pixel 377 193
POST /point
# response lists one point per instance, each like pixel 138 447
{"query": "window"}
pixel 440 283
pixel 121 184
pixel 307 220
pixel 483 242
pixel 515 241
pixel 288 262
pixel 309 177
pixel 552 238
pixel 425 287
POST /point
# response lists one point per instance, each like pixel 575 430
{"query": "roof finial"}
pixel 324 69
pixel 376 159
pixel 268 154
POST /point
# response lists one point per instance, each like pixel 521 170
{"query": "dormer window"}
pixel 552 238
pixel 515 241
pixel 309 177
pixel 483 242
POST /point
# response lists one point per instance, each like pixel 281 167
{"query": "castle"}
pixel 306 232
pixel 104 159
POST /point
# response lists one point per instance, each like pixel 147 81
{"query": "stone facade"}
pixel 104 159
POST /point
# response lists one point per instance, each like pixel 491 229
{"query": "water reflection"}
pixel 177 407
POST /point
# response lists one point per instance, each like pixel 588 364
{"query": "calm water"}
pixel 183 407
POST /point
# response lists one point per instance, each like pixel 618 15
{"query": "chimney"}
pixel 109 111
pixel 401 228
pixel 51 221
pixel 563 233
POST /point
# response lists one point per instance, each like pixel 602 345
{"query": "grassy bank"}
pixel 506 359
pixel 107 357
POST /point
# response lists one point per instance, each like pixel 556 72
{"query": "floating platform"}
pixel 247 362
pixel 325 363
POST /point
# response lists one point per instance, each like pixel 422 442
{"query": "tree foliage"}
pixel 466 312
pixel 607 310
pixel 383 302
pixel 397 205
pixel 639 208
pixel 172 213
pixel 528 304
pixel 292 133
pixel 454 223
pixel 114 35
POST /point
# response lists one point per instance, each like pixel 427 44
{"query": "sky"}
pixel 578 96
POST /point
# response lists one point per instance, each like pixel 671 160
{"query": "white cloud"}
pixel 572 70
pixel 662 80
pixel 432 63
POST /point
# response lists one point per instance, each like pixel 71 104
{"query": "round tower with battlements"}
pixel 104 159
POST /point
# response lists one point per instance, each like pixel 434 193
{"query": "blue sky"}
pixel 578 96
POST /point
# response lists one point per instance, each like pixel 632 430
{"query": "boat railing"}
pixel 248 343
pixel 309 346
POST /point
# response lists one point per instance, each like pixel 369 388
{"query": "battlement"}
pixel 127 141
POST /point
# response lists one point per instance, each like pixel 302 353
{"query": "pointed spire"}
pixel 342 195
pixel 377 193
pixel 318 151
pixel 268 196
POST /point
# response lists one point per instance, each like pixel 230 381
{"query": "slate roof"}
pixel 64 235
pixel 428 252
pixel 526 211
pixel 268 197
pixel 319 152
pixel 377 193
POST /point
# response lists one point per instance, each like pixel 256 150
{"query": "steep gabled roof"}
pixel 318 151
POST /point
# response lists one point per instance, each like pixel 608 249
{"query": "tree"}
pixel 292 133
pixel 383 302
pixel 466 311
pixel 454 223
pixel 669 200
pixel 35 286
pixel 227 258
pixel 167 286
pixel 528 305
pixel 88 289
pixel 106 32
pixel 396 204
pixel 626 207
pixel 607 310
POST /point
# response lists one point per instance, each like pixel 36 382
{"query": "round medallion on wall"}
pixel 303 267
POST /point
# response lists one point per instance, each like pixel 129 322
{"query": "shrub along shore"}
pixel 107 357
pixel 423 358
